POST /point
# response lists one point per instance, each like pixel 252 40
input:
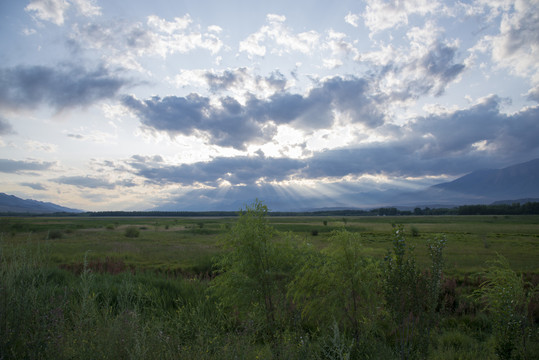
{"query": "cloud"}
pixel 242 78
pixel 227 125
pixel 90 182
pixel 5 127
pixel 123 43
pixel 55 11
pixel 18 166
pixel 61 88
pixel 235 125
pixel 516 47
pixel 35 186
pixel 387 14
pixel 233 170
pixel 339 48
pixel 279 38
pixel 87 7
pixel 48 10
pixel 239 81
pixel 451 144
pixel 533 94
pixel 352 19
pixel 426 66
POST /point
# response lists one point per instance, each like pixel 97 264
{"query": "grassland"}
pixel 188 244
pixel 144 288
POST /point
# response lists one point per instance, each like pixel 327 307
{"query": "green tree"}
pixel 254 270
pixel 411 295
pixel 340 286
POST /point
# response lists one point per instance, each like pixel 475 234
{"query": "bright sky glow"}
pixel 134 105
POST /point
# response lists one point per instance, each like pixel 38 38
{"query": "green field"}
pixel 188 244
pixel 264 287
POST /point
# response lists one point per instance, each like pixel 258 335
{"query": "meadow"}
pixel 176 288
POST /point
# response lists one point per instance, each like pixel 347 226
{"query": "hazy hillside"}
pixel 13 204
pixel 513 182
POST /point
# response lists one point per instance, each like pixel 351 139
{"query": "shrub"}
pixel 55 234
pixel 505 296
pixel 132 232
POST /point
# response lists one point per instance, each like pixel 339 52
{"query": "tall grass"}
pixel 332 303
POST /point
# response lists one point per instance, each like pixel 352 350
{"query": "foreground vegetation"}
pixel 260 287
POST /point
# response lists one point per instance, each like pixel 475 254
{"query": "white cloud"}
pixel 55 10
pixel 382 15
pixel 123 43
pixel 516 47
pixel 169 27
pixel 252 45
pixel 352 19
pixel 48 10
pixel 34 145
pixel 339 47
pixel 87 7
pixel 425 66
pixel 279 38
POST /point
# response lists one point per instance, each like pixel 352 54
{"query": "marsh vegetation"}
pixel 435 287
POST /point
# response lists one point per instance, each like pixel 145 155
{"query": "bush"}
pixel 507 297
pixel 132 232
pixel 55 234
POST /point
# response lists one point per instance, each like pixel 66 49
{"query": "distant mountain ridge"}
pixel 513 182
pixel 13 204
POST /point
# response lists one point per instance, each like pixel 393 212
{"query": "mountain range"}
pixel 13 204
pixel 516 183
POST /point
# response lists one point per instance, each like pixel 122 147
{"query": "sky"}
pixel 197 105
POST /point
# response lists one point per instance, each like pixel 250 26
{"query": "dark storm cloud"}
pixel 236 125
pixel 62 87
pixel 452 143
pixel 16 166
pixel 230 125
pixel 5 127
pixel 236 170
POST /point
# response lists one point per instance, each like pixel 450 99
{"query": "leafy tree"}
pixel 412 296
pixel 340 286
pixel 253 272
